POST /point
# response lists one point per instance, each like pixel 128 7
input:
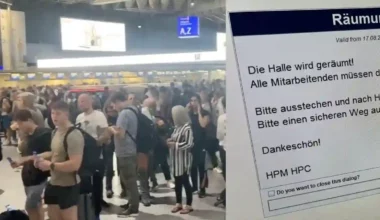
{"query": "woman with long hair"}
pixel 180 145
pixel 200 119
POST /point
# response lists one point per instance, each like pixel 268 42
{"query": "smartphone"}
pixel 10 160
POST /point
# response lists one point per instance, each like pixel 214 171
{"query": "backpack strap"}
pixel 65 145
pixel 53 133
pixel 137 117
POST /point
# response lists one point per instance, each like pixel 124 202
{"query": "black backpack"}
pixel 91 152
pixel 147 137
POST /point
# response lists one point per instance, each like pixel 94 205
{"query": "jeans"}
pixel 152 169
pixel 161 158
pixel 185 182
pixel 97 181
pixel 198 168
pixel 128 175
pixel 212 146
pixel 108 158
pixel 223 159
pixel 143 174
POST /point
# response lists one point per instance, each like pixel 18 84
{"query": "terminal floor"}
pixel 12 193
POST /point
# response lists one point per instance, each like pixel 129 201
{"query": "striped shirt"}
pixel 180 155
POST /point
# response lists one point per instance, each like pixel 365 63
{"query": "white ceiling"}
pixel 210 9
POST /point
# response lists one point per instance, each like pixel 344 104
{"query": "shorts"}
pixel 63 196
pixel 34 195
pixel 6 122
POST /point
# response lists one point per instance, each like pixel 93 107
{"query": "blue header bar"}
pixel 303 21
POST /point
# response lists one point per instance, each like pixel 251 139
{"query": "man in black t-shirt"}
pixel 34 180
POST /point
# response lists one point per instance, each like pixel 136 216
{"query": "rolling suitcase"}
pixel 86 209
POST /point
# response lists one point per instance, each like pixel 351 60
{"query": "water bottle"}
pixel 9 208
pixel 36 158
pixel 35 155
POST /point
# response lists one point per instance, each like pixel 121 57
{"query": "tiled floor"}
pixel 11 192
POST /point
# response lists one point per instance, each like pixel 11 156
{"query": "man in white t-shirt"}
pixel 95 123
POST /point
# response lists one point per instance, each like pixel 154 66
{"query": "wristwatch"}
pixel 52 166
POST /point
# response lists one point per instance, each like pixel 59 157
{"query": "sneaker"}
pixel 126 206
pixel 218 170
pixel 170 184
pixel 202 193
pixel 129 212
pixel 154 186
pixel 109 194
pixel 146 202
pixel 219 202
pixel 7 142
pixel 123 194
pixel 195 191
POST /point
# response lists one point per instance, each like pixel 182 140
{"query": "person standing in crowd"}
pixel 94 122
pixel 216 103
pixel 6 110
pixel 109 150
pixel 200 119
pixel 34 180
pixel 180 145
pixel 149 110
pixel 161 152
pixel 144 159
pixel 212 146
pixel 26 100
pixel 165 104
pixel 165 120
pixel 187 93
pixel 205 100
pixel 62 192
pixel 105 96
pixel 125 149
pixel 221 135
pixel 153 93
pixel 177 98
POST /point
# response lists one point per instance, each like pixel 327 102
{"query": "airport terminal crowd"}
pixel 67 142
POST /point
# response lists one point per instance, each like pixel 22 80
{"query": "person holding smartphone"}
pixel 34 180
pixel 200 119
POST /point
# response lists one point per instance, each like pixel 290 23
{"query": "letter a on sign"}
pixel 183 32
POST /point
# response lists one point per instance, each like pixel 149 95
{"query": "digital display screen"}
pixel 87 35
pixel 31 75
pixel 60 75
pixel 46 75
pixel 73 75
pixel 15 76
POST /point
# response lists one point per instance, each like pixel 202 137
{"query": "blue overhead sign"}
pixel 188 27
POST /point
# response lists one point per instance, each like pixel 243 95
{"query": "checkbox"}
pixel 271 193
